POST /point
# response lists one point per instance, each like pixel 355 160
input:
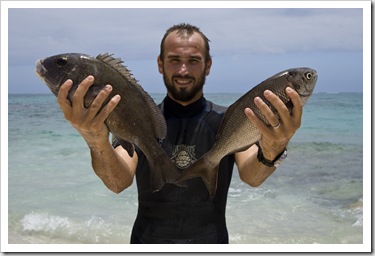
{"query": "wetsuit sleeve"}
pixel 125 144
pixel 115 142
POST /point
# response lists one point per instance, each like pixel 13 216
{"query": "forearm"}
pixel 252 171
pixel 111 166
pixel 114 166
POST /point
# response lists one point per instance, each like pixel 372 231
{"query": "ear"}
pixel 208 66
pixel 160 65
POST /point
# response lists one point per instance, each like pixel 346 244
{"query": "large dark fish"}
pixel 237 133
pixel 135 120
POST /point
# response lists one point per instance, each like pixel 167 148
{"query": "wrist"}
pixel 271 162
pixel 95 139
pixel 98 144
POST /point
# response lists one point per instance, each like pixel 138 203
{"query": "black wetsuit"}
pixel 177 214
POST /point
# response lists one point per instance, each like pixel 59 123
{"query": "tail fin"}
pixel 204 169
pixel 162 171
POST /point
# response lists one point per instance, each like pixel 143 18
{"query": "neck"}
pixel 187 102
pixel 172 108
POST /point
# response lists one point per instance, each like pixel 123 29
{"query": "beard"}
pixel 188 93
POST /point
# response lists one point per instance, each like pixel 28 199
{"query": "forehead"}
pixel 176 44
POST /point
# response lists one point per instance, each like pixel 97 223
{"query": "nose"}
pixel 183 70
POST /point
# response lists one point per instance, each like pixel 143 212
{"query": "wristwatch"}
pixel 276 162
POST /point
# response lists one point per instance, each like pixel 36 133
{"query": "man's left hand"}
pixel 276 137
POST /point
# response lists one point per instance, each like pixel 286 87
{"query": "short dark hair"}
pixel 185 30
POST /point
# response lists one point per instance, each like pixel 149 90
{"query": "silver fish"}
pixel 237 133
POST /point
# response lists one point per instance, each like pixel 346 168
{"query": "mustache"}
pixel 183 77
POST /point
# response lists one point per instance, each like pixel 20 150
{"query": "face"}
pixel 184 67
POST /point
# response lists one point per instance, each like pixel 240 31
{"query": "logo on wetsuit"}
pixel 183 156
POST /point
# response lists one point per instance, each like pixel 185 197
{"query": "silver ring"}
pixel 276 126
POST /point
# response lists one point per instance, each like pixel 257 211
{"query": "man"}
pixel 181 214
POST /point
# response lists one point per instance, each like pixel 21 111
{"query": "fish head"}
pixel 303 81
pixel 55 70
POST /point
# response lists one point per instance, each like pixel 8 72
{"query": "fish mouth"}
pixel 40 69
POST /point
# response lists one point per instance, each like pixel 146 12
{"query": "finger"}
pixel 98 101
pixel 297 105
pixel 79 94
pixel 107 109
pixel 279 105
pixel 258 123
pixel 266 110
pixel 62 96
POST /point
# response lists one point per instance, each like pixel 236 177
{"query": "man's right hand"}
pixel 89 122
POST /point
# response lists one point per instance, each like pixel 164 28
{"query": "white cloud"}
pixel 136 33
pixel 241 39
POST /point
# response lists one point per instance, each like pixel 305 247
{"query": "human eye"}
pixel 194 61
pixel 173 59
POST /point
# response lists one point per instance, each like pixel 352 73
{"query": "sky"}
pixel 248 44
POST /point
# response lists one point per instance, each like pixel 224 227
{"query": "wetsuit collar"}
pixel 172 108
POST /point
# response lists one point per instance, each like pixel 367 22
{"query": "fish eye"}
pixel 308 75
pixel 60 62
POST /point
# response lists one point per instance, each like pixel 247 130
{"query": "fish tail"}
pixel 163 171
pixel 206 170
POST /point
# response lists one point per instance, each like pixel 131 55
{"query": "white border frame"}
pixel 367 111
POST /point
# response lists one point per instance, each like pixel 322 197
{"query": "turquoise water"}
pixel 315 196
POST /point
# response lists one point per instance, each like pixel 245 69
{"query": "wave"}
pixel 46 228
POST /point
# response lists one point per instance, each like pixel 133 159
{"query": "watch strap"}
pixel 276 162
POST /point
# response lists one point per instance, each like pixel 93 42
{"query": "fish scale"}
pixel 236 132
pixel 125 121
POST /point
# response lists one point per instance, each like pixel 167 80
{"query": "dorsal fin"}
pixel 158 118
pixel 117 64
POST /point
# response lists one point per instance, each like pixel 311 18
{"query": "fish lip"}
pixel 40 69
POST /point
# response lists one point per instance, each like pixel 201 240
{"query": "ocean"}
pixel 314 197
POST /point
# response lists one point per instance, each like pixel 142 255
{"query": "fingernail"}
pixel 248 110
pixel 267 92
pixel 69 81
pixel 108 87
pixel 288 89
pixel 90 78
pixel 117 97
